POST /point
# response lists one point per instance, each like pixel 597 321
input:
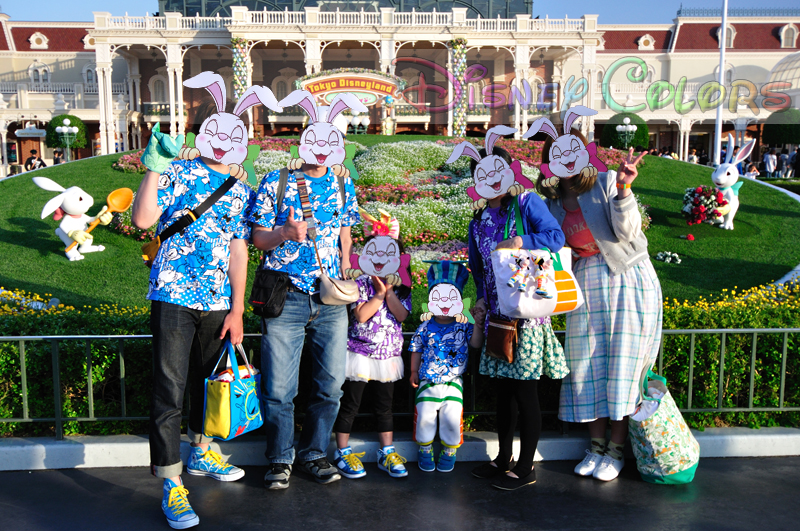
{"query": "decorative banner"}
pixel 458 54
pixel 239 66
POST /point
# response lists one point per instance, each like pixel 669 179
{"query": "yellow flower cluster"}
pixel 783 296
pixel 20 302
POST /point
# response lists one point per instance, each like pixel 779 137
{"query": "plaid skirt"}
pixel 610 340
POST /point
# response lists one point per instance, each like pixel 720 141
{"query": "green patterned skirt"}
pixel 538 352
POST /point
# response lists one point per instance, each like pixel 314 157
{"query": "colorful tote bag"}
pixel 534 283
pixel 665 449
pixel 232 398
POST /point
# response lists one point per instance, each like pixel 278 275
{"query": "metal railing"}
pixel 470 389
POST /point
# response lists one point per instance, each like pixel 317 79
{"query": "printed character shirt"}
pixel 191 267
pixel 298 258
pixel 443 349
pixel 381 336
pixel 578 235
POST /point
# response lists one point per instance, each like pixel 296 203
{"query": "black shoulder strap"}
pixel 342 191
pixel 283 182
pixel 193 215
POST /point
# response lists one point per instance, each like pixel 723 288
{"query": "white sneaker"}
pixel 608 468
pixel 587 467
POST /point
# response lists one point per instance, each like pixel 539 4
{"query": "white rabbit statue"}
pixel 726 178
pixel 70 206
pixel 223 136
pixel 322 143
pixel 568 155
pixel 493 175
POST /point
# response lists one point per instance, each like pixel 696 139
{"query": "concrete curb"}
pixel 133 450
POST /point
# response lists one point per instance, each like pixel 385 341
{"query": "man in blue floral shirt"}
pixel 283 232
pixel 196 290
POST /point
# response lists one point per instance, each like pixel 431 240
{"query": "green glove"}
pixel 161 150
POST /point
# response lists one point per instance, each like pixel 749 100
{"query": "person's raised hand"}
pixel 380 287
pixel 627 172
pixel 161 150
pixel 294 230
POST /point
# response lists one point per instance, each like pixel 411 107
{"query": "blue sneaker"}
pixel 392 462
pixel 176 506
pixel 425 459
pixel 447 460
pixel 349 464
pixel 210 464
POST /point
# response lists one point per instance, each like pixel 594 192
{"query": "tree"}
pixel 610 138
pixel 782 128
pixel 54 140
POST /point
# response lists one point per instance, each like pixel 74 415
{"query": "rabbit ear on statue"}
pixel 729 154
pixel 545 126
pixel 47 184
pixel 345 100
pixel 52 205
pixel 494 134
pixel 255 95
pixel 464 149
pixel 304 99
pixel 744 152
pixel 213 83
pixel 573 114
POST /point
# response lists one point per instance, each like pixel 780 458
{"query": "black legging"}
pixel 518 399
pixel 382 395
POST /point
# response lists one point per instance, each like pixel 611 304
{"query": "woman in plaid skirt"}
pixel 616 334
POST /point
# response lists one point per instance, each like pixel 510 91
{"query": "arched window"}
pixel 38 72
pixel 280 89
pixel 36 76
pixel 90 76
pixel 730 35
pixel 788 36
pixel 159 90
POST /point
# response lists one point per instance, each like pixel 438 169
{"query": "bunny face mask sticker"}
pixel 568 154
pixel 381 256
pixel 493 175
pixel 223 136
pixel 322 143
pixel 446 282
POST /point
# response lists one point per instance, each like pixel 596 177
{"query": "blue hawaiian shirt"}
pixel 191 267
pixel 298 258
pixel 443 348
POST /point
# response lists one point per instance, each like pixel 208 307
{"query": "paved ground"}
pixel 727 494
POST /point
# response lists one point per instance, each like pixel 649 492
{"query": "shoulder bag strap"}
pixel 517 218
pixel 308 215
pixel 193 215
pixel 283 182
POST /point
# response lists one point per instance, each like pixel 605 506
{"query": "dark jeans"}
pixel 382 394
pixel 185 344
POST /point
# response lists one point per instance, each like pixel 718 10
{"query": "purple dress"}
pixel 374 347
pixel 538 349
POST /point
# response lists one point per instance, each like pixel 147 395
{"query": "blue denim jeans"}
pixel 304 318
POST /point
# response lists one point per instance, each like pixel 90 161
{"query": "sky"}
pixel 610 11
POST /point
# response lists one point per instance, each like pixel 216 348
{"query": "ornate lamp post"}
pixel 626 131
pixel 68 135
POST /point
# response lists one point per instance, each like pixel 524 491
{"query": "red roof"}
pixel 58 39
pixel 3 42
pixel 753 36
pixel 628 40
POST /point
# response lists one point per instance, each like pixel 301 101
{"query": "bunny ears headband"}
pixel 466 148
pixel 386 226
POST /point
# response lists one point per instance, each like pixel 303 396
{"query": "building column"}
pixel 180 104
pixel 136 95
pixel 171 100
pixel 101 90
pixel 313 56
pixel 111 125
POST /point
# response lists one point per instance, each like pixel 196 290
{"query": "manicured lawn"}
pixel 762 248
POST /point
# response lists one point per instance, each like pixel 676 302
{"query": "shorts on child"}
pixel 443 402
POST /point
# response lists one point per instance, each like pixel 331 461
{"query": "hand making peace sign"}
pixel 627 169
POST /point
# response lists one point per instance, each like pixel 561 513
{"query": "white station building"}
pixel 122 74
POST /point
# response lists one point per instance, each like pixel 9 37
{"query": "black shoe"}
pixel 508 483
pixel 277 477
pixel 322 470
pixel 490 470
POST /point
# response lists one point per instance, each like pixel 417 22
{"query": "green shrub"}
pixel 610 138
pixel 53 139
pixel 782 128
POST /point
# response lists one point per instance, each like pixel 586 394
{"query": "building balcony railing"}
pixel 52 88
pixel 116 88
pixel 311 16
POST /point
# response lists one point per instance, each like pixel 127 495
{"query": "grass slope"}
pixel 761 249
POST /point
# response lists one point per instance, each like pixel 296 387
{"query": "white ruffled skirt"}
pixel 361 368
